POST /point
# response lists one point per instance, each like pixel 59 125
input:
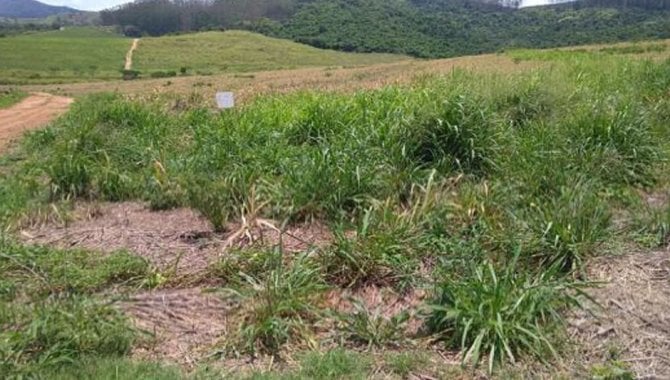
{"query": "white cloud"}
pixel 87 5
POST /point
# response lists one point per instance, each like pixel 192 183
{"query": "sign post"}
pixel 225 100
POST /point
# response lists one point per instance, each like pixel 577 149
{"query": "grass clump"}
pixel 371 329
pixel 502 313
pixel 50 334
pixel 279 308
pixel 569 226
pixel 651 225
pixel 405 364
pixel 381 252
pixel 335 364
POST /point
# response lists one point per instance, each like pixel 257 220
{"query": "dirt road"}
pixel 129 55
pixel 33 112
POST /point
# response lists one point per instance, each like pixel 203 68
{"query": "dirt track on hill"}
pixel 129 55
pixel 33 112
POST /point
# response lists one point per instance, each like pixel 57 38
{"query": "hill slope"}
pixel 442 28
pixel 90 54
pixel 239 51
pixel 423 28
pixel 30 9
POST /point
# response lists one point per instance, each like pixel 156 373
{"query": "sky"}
pixel 86 5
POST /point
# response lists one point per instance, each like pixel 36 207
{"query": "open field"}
pixel 335 78
pixel 239 51
pixel 504 215
pixel 72 55
pixel 92 54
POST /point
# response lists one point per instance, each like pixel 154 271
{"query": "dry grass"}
pixel 633 325
pixel 282 81
pixel 250 85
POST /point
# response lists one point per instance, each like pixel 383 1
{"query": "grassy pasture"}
pixel 239 51
pixel 488 190
pixel 92 54
pixel 71 55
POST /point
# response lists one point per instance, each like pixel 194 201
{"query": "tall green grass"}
pixel 492 189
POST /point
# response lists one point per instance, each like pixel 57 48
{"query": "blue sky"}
pixel 87 5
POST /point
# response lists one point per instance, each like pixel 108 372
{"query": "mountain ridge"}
pixel 31 9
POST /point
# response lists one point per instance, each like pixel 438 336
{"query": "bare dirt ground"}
pixel 632 326
pixel 129 56
pixel 178 240
pixel 33 112
pixel 182 325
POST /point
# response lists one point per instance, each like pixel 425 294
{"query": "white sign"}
pixel 225 99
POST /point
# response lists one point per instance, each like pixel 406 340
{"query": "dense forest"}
pixel 423 28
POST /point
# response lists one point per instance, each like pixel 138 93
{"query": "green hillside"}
pixel 424 28
pixel 239 51
pixel 440 28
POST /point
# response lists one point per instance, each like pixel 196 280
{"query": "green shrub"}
pixel 130 74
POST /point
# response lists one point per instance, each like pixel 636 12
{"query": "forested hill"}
pixel 423 28
pixel 30 9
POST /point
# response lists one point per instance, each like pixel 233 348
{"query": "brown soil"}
pixel 633 325
pixel 179 240
pixel 33 112
pixel 183 325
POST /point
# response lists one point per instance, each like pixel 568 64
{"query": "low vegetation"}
pixel 11 97
pixel 487 191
